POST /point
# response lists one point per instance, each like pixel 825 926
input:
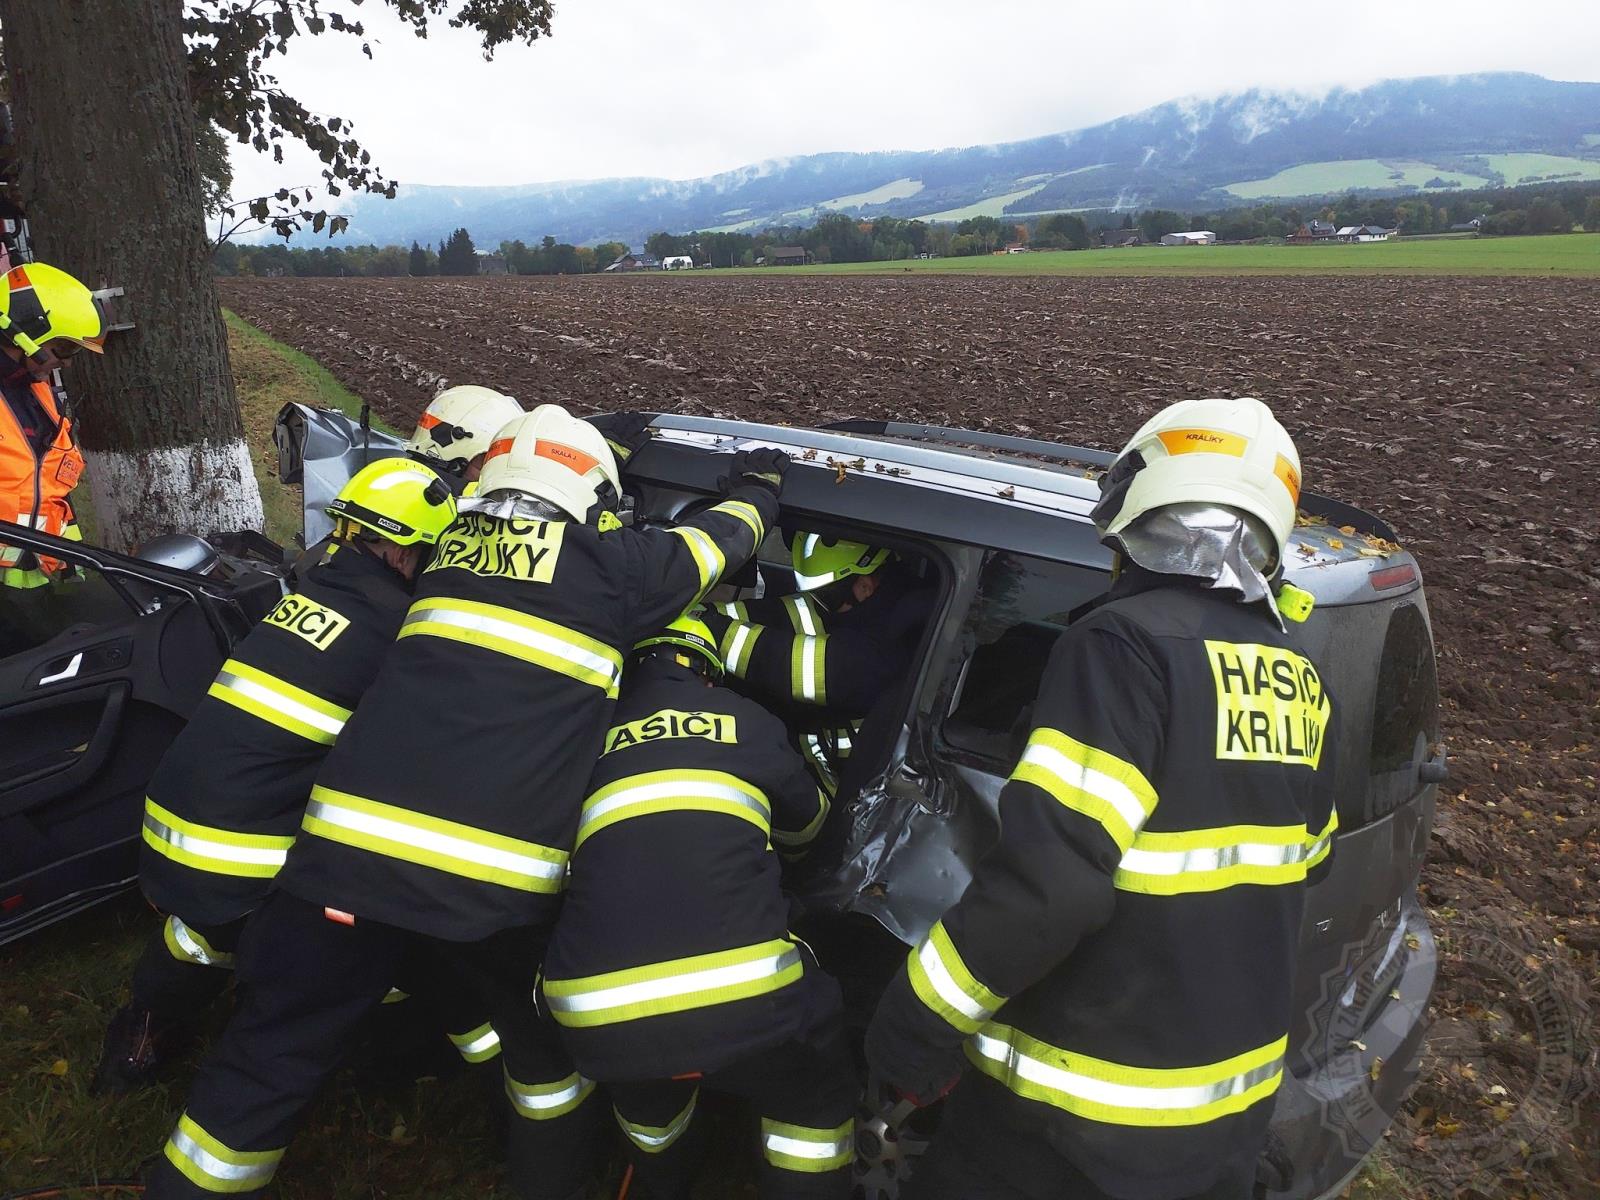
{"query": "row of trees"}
pixel 839 237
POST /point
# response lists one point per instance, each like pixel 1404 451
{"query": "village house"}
pixel 1194 237
pixel 1121 237
pixel 635 262
pixel 1313 231
pixel 1365 233
pixel 788 256
pixel 677 262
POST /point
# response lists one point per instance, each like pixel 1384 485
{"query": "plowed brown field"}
pixel 1466 412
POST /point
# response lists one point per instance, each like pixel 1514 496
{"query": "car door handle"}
pixel 69 671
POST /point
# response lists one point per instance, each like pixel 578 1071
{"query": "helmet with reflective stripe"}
pixel 553 456
pixel 689 633
pixel 1230 452
pixel 819 561
pixel 460 423
pixel 45 304
pixel 398 499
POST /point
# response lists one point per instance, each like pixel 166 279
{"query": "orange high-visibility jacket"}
pixel 34 487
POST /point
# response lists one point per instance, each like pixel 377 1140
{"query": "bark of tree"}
pixel 110 180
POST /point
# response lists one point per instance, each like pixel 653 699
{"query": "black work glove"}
pixel 759 468
pixel 910 1048
pixel 624 432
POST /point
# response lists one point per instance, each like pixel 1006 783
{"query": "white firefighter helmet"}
pixel 460 422
pixel 1229 452
pixel 555 457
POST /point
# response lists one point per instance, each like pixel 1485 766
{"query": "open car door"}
pixel 99 670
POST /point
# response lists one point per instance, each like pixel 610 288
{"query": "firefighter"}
pixel 671 968
pixel 822 654
pixel 1118 971
pixel 455 431
pixel 505 670
pixel 46 316
pixel 226 800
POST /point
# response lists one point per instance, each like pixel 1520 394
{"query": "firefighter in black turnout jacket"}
pixel 224 804
pixel 671 968
pixel 505 671
pixel 1119 969
pixel 823 655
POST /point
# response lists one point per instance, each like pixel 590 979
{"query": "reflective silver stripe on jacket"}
pixel 1133 1097
pixel 1212 858
pixel 288 706
pixel 202 847
pixel 646 991
pixel 512 631
pixel 672 789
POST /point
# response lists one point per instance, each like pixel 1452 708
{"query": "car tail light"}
pixel 1385 578
pixel 11 903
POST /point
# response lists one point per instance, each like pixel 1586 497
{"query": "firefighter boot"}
pixel 136 1047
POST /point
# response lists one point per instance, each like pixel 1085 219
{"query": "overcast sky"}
pixel 642 87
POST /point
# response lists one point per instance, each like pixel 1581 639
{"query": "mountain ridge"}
pixel 1441 133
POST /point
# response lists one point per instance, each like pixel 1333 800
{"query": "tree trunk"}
pixel 110 182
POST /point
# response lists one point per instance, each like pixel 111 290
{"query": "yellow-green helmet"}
pixel 819 561
pixel 398 499
pixel 689 633
pixel 44 304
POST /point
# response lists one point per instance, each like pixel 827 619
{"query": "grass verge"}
pixel 1575 254
pixel 267 375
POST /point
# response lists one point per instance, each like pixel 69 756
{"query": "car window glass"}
pixel 38 607
pixel 1405 712
pixel 1021 608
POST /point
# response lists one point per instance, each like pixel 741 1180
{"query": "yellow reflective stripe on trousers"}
pixel 674 986
pixel 1318 845
pixel 738 642
pixel 532 639
pixel 279 703
pixel 804 1148
pixel 802 612
pixel 206 848
pixel 686 790
pixel 653 1139
pixel 185 945
pixel 1120 1095
pixel 799 837
pixel 433 842
pixel 811 750
pixel 477 1045
pixel 708 557
pixel 1101 786
pixel 808 669
pixel 942 981
pixel 746 512
pixel 1208 860
pixel 547 1101
pixel 213 1167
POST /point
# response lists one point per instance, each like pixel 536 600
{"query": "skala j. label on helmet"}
pixel 397 499
pixel 692 642
pixel 43 304
pixel 553 456
pixel 460 423
pixel 1227 452
pixel 819 561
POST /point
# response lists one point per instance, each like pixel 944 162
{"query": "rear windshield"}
pixel 1379 665
pixel 1021 608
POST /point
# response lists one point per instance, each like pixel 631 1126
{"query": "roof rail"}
pixel 1050 451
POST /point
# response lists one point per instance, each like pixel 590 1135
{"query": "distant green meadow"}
pixel 1575 254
